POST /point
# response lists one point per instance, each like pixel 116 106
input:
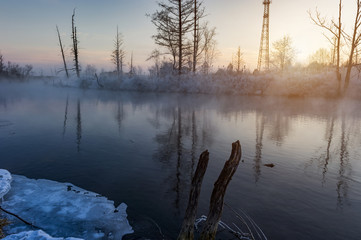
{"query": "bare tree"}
pixel 283 53
pixel 74 49
pixel 354 43
pixel 62 53
pixel 131 70
pixel 356 60
pixel 198 11
pixel 118 54
pixel 335 29
pixel 2 65
pixel 321 56
pixel 90 71
pixel 239 59
pixel 173 22
pixel 165 36
pixel 210 49
pixel 184 26
pixel 27 70
pixel 155 55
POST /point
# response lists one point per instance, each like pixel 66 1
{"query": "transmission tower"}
pixel 263 56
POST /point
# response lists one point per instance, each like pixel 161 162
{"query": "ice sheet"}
pixel 35 235
pixel 5 181
pixel 64 210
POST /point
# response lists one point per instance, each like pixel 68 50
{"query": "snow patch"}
pixel 35 235
pixel 5 181
pixel 61 209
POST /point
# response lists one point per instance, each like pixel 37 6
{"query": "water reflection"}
pixel 3 102
pixel 329 136
pixel 260 124
pixel 78 126
pixel 179 156
pixel 337 140
pixel 172 130
pixel 120 115
pixel 279 127
pixel 342 183
pixel 170 142
pixel 194 142
pixel 65 115
pixel 181 134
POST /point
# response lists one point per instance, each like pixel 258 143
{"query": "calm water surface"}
pixel 142 148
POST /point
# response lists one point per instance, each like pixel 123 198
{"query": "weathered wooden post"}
pixel 219 190
pixel 187 230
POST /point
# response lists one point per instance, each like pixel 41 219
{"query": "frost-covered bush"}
pixel 301 85
pixel 294 83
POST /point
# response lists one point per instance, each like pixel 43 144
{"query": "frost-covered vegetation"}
pixel 290 84
pixel 14 71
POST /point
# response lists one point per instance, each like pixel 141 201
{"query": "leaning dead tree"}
pixel 187 230
pixel 217 198
pixel 219 191
pixel 74 49
pixel 62 53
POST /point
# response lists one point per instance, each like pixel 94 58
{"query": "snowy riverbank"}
pixel 290 84
pixel 62 210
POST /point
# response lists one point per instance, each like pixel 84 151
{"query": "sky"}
pixel 28 33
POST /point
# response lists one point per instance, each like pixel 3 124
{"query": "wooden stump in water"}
pixel 217 198
pixel 187 230
pixel 219 190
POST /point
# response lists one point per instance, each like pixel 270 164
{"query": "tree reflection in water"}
pixel 178 147
pixel 260 123
pixel 119 115
pixel 78 126
pixel 65 115
pixel 342 183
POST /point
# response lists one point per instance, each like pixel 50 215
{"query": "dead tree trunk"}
pixel 180 42
pixel 131 72
pixel 219 190
pixel 195 36
pixel 99 84
pixel 338 46
pixel 187 230
pixel 356 39
pixel 75 46
pixel 62 53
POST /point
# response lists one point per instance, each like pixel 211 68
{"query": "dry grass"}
pixel 3 222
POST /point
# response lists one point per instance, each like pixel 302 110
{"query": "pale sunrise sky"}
pixel 28 35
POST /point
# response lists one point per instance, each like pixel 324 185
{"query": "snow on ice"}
pixel 5 181
pixel 60 209
pixel 35 235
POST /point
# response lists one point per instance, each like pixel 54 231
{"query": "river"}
pixel 142 148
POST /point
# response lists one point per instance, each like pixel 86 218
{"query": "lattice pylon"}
pixel 263 56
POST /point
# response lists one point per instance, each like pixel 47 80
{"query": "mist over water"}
pixel 142 148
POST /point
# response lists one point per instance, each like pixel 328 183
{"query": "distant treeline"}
pixel 14 70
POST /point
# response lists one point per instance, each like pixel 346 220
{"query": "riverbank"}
pixel 291 84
